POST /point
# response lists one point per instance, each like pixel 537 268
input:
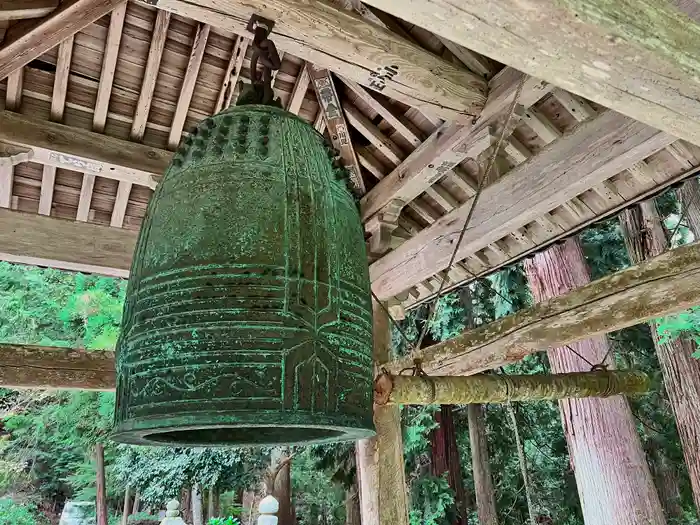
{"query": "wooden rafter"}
pixel 661 286
pixel 232 73
pixel 345 43
pixel 593 152
pixel 450 145
pixel 188 84
pixel 18 10
pixel 599 50
pixel 22 44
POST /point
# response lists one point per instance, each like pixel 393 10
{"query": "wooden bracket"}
pixel 380 227
pixel 11 155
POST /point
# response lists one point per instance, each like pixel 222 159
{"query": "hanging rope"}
pixel 480 187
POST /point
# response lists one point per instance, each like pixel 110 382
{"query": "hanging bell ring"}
pixel 248 311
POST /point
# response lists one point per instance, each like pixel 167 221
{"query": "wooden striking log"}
pixel 461 390
pixel 24 366
pixel 666 284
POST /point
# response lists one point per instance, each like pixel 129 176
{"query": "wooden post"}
pixel 393 503
pixel 368 480
pixel 101 503
pixel 125 511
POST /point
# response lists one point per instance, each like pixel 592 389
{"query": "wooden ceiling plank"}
pixel 188 85
pixel 394 121
pixel 658 287
pixel 20 9
pixel 332 38
pixel 596 49
pixel 334 119
pixel 232 73
pixel 30 238
pixel 155 54
pixel 541 125
pixel 109 66
pixel 592 152
pixel 85 151
pixel 22 45
pixel 301 86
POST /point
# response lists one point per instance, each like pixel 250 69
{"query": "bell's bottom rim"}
pixel 201 431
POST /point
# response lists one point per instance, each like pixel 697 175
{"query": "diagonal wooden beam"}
pixel 660 286
pixel 344 42
pixel 29 238
pixel 22 44
pixel 591 153
pixel 21 9
pixel 633 56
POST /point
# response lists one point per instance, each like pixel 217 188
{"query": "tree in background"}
pixel 612 475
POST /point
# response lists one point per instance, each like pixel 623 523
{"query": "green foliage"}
pixel 431 501
pixel 224 521
pixel 685 325
pixel 12 513
pixel 141 518
pixel 313 489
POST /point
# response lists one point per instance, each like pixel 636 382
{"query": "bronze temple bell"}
pixel 248 314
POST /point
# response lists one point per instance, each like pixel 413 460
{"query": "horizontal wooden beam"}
pixel 591 153
pixel 329 37
pixel 19 9
pixel 660 286
pixel 84 151
pixel 634 56
pixel 23 366
pixel 24 43
pixel 29 238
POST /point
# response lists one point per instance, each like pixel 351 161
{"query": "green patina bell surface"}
pixel 248 313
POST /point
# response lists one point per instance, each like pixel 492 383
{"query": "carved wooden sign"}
pixel 335 121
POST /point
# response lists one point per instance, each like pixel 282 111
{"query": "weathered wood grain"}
pixel 330 37
pixel 80 150
pixel 19 9
pixel 588 155
pixel 661 286
pixel 634 56
pixel 29 238
pixel 23 366
pixel 22 45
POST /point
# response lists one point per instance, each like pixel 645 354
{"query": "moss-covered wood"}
pixel 660 286
pixel 427 390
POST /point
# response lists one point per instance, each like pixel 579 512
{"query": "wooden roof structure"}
pixel 96 94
